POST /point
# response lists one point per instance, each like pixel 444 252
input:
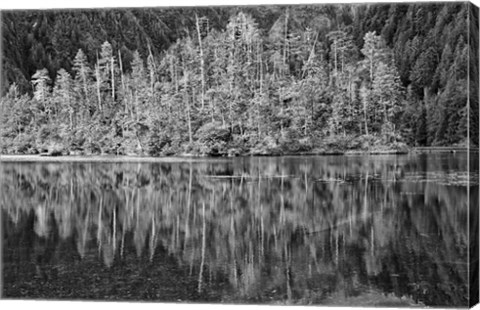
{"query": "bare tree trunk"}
pixel 137 117
pixel 132 102
pixel 365 116
pixel 187 102
pixel 306 123
pixel 70 114
pixel 85 88
pixel 261 89
pixel 99 95
pixel 152 85
pixel 311 55
pixel 122 79
pixel 202 65
pixel 230 109
pixel 385 112
pixel 113 78
pixel 212 101
pixel 151 69
pixel 230 85
pixel 336 63
pixel 281 111
pixel 175 75
pixel 371 66
pixel 350 90
pixel 286 38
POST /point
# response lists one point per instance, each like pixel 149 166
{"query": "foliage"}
pixel 268 81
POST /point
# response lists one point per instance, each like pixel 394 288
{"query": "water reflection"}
pixel 386 231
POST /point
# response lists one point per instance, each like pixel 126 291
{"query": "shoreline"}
pixel 98 159
pixel 12 158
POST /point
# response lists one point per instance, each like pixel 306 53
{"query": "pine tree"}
pixel 82 80
pixel 366 98
pixel 139 84
pixel 42 89
pixel 374 52
pixel 386 92
pixel 106 70
pixel 424 70
pixel 63 95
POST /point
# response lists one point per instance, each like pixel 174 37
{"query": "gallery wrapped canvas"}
pixel 302 154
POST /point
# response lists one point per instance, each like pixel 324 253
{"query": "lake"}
pixel 386 230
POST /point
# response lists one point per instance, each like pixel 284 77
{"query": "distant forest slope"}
pixel 239 80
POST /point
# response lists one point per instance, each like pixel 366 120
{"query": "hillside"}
pixel 239 80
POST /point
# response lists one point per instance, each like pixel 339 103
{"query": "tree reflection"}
pixel 322 230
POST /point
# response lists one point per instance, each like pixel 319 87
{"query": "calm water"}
pixel 357 230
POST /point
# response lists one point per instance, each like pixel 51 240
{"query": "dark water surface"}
pixel 356 230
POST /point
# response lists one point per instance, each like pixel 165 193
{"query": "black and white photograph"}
pixel 287 154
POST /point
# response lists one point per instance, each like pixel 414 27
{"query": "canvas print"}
pixel 320 154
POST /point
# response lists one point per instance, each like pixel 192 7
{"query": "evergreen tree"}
pixel 62 95
pixel 82 82
pixel 41 83
pixel 386 91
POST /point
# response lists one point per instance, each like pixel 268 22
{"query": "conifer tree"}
pixel 41 82
pixel 63 95
pixel 82 79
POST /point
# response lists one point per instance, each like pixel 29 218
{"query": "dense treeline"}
pixel 253 80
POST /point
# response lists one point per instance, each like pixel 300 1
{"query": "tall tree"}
pixel 62 93
pixel 82 76
pixel 41 83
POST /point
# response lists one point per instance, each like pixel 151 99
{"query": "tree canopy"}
pixel 239 80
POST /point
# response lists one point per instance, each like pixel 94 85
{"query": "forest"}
pixel 228 81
